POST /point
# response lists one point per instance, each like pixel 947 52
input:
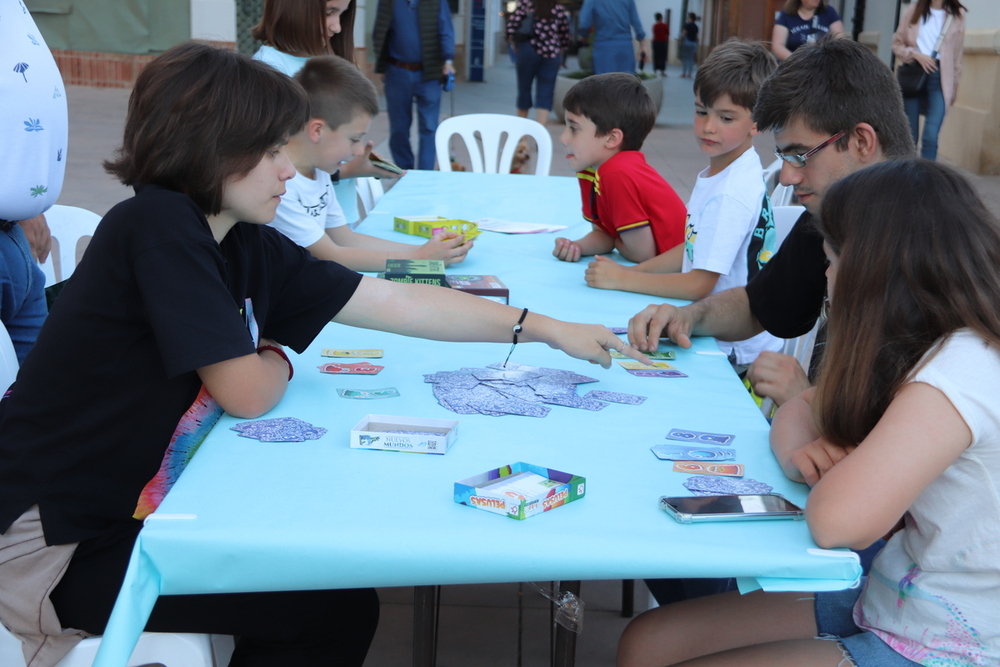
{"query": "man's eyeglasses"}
pixel 800 160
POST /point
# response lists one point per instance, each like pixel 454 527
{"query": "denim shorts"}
pixel 835 619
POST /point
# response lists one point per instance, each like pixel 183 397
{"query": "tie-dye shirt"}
pixel 933 593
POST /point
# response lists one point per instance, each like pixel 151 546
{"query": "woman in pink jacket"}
pixel 918 31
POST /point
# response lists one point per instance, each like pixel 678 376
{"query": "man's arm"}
pixel 725 315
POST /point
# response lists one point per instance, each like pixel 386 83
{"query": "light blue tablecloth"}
pixel 251 516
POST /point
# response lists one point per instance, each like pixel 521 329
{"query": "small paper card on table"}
pixel 658 354
pixel 691 453
pixel 639 366
pixel 722 469
pixel 357 368
pixel 355 354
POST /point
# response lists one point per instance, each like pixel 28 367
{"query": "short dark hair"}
pixel 337 90
pixel 736 68
pixel 294 27
pixel 832 85
pixel 658 16
pixel 199 115
pixel 614 100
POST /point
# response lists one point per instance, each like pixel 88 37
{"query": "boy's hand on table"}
pixel 450 247
pixel 566 250
pixel 816 458
pixel 604 273
pixel 777 376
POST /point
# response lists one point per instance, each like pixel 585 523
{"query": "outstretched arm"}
pixel 361 252
pixel 604 273
pixel 425 311
pixel 725 315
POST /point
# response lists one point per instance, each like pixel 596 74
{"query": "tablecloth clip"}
pixel 833 553
pixel 719 353
pixel 170 517
pixel 569 608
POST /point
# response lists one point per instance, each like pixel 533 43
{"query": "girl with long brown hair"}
pixel 901 436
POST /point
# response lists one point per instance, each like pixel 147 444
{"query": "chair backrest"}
pixel 771 174
pixel 370 190
pixel 784 220
pixel 491 127
pixel 8 361
pixel 68 225
pixel 782 195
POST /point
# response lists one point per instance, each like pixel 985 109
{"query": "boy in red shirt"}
pixel 633 210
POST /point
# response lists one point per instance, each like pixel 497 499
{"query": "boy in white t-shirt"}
pixel 342 103
pixel 729 233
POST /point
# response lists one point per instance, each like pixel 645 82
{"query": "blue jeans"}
pixel 402 87
pixel 614 56
pixel 930 101
pixel 834 620
pixel 22 291
pixel 687 54
pixel 533 67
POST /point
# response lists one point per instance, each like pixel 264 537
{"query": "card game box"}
pixel 488 287
pixel 429 225
pixel 416 271
pixel 404 434
pixel 520 490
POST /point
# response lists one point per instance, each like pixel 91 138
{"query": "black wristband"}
pixel 517 328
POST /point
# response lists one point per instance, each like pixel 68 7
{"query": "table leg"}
pixel 565 649
pixel 425 607
pixel 628 598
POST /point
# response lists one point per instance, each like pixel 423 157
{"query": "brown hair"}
pixel 792 7
pixel 832 85
pixel 295 27
pixel 923 9
pixel 337 90
pixel 918 256
pixel 614 100
pixel 736 68
pixel 199 115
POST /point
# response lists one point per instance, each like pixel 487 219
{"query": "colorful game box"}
pixel 404 434
pixel 520 490
pixel 429 225
pixel 488 287
pixel 415 271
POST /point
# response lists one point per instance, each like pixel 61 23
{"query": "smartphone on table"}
pixel 697 509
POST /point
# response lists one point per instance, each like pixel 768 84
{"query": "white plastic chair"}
pixel 491 127
pixel 771 174
pixel 370 190
pixel 170 649
pixel 8 361
pixel 69 224
pixel 782 195
pixel 784 220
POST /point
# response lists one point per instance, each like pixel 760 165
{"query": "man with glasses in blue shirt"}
pixel 835 108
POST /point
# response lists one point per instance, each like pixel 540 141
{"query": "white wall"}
pixel 983 14
pixel 213 20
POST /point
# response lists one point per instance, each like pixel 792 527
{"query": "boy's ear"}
pixel 753 130
pixel 613 139
pixel 314 128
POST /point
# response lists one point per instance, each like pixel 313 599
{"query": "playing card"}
pixel 618 330
pixel 358 368
pixel 704 485
pixel 684 435
pixel 656 373
pixel 615 397
pixel 659 354
pixel 357 354
pixel 282 429
pixel 723 469
pixel 638 365
pixel 688 453
pixel 385 392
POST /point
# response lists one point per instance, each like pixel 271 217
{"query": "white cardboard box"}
pixel 413 434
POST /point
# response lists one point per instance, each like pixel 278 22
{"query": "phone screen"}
pixel 735 507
